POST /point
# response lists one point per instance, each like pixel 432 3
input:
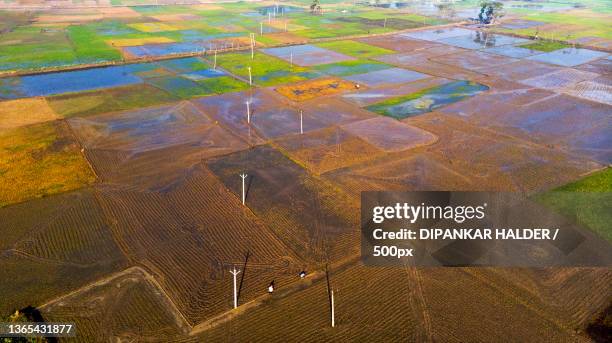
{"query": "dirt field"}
pixel 58 255
pixel 323 228
pixel 194 249
pixel 411 296
pixel 315 88
pixel 328 149
pixel 527 166
pixel 126 305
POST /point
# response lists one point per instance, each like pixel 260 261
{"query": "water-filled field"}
pixel 187 77
pixel 427 100
pixel 391 76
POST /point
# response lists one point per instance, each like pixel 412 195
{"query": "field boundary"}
pixel 181 321
pixel 217 320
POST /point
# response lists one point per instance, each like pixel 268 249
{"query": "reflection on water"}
pixel 427 100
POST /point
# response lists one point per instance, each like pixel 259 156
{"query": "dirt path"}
pixel 180 319
pixel 419 308
pixel 279 294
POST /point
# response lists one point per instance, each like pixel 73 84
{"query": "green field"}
pixel 546 46
pixel 356 49
pixel 265 70
pixel 587 201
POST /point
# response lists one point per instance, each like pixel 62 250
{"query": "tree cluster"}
pixel 490 12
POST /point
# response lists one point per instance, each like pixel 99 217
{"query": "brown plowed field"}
pixel 189 236
pixel 438 304
pixel 315 219
pixel 67 244
pixel 478 154
pixel 327 149
pixel 419 171
pixel 122 308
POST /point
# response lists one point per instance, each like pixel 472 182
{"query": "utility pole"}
pixel 252 45
pixel 215 65
pixel 301 122
pixel 243 176
pixel 248 113
pixel 291 59
pixel 235 272
pixel 261 28
pixel 333 321
pixel 250 77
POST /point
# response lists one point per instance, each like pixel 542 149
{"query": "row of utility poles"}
pixel 234 271
pixel 330 291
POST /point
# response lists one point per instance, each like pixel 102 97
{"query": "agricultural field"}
pixel 584 200
pixel 148 149
pixel 39 160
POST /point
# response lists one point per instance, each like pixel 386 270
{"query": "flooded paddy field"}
pixel 175 78
pixel 134 169
pixel 386 77
pixel 307 55
pixel 371 96
pixel 427 100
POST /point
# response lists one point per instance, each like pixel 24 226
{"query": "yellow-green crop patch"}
pixel 265 70
pixel 40 160
pixel 110 100
pixel 356 49
pixel 546 46
pixel 154 27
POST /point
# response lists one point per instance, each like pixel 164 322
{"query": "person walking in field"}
pixel 271 287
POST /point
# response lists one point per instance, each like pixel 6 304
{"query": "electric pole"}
pixel 243 176
pixel 333 321
pixel 235 272
pixel 248 113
